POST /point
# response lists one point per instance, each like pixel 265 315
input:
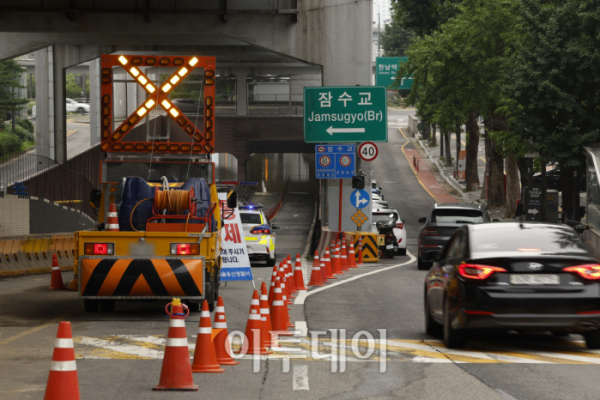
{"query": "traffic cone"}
pixel 176 373
pixel 112 219
pixel 253 328
pixel 328 268
pixel 62 379
pixel 351 256
pixel 265 318
pixel 360 252
pixel 344 256
pixel 315 276
pixel 56 282
pixel 337 266
pixel 272 287
pixel 221 341
pixel 323 270
pixel 298 277
pixel 283 285
pixel 205 356
pixel 290 276
pixel 279 313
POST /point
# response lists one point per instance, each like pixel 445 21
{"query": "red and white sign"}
pixel 321 149
pixel 325 161
pixel 345 161
pixel 368 151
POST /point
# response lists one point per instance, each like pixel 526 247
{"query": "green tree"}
pixel 73 90
pixel 10 75
pixel 423 17
pixel 395 39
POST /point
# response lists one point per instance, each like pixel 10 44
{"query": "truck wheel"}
pixel 107 305
pixel 91 305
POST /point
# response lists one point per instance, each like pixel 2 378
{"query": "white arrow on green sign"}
pixel 345 114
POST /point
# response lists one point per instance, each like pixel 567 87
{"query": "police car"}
pixel 259 233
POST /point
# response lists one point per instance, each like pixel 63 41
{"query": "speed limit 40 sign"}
pixel 368 151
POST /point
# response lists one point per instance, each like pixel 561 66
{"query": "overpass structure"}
pixel 297 39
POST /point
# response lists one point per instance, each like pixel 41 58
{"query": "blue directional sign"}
pixel 335 161
pixel 359 198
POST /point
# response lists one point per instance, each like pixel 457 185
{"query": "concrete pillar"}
pixel 44 93
pixel 120 98
pixel 95 102
pixel 63 57
pixel 241 90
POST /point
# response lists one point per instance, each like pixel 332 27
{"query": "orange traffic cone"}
pixel 344 256
pixel 253 329
pixel 315 276
pixel 360 252
pixel 323 270
pixel 176 373
pixel 56 282
pixel 279 313
pixel 265 318
pixel 290 276
pixel 328 268
pixel 221 342
pixel 352 256
pixel 337 266
pixel 205 356
pixel 112 219
pixel 298 277
pixel 283 285
pixel 62 380
pixel 272 287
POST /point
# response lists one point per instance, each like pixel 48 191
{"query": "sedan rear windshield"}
pixel 455 216
pixel 248 218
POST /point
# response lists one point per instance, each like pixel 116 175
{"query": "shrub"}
pixel 25 123
pixel 9 143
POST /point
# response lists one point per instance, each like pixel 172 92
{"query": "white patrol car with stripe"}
pixel 259 232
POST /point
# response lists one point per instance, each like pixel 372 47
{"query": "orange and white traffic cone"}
pixel 344 256
pixel 265 318
pixel 283 285
pixel 205 356
pixel 360 252
pixel 279 313
pixel 221 341
pixel 337 265
pixel 176 373
pixel 253 329
pixel 56 282
pixel 351 256
pixel 62 379
pixel 298 277
pixel 272 287
pixel 112 219
pixel 315 276
pixel 323 270
pixel 290 276
pixel 328 268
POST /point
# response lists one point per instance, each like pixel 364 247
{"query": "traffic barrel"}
pixel 56 281
pixel 62 379
pixel 176 372
pixel 315 276
pixel 279 313
pixel 112 219
pixel 253 329
pixel 221 341
pixel 298 276
pixel 205 356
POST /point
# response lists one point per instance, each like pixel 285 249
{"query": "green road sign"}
pixel 345 114
pixel 386 69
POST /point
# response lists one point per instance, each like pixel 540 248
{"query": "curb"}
pixel 451 181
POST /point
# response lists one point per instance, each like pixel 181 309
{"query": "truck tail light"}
pixel 400 225
pixel 588 271
pixel 185 249
pixel 94 249
pixel 430 232
pixel 477 272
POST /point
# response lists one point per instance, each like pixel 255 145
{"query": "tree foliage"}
pixel 10 75
pixel 395 39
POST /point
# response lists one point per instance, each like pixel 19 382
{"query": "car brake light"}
pixel 400 225
pixel 479 272
pixel 430 232
pixel 185 249
pixel 262 231
pixel 588 271
pixel 92 249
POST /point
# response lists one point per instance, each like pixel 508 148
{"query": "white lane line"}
pixel 505 395
pixel 300 377
pixel 301 328
pixel 123 348
pixel 421 359
pixel 302 296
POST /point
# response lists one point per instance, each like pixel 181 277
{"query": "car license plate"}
pixel 142 250
pixel 535 279
pixel 389 246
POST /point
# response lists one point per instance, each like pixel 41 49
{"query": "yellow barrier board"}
pixel 369 245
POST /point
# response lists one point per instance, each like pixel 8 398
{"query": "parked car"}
pixel 375 196
pixel 399 230
pixel 379 205
pixel 529 277
pixel 440 225
pixel 73 106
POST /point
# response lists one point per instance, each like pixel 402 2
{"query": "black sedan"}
pixel 512 276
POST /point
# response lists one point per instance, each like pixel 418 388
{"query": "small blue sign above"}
pixel 335 161
pixel 359 198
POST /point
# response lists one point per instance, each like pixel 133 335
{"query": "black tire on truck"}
pixel 210 291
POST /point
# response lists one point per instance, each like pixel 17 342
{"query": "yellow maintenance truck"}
pixel 159 217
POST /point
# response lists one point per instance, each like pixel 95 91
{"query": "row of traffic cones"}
pixel 326 267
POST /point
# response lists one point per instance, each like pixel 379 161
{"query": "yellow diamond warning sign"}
pixel 359 218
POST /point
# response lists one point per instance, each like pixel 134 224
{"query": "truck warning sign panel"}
pixel 234 256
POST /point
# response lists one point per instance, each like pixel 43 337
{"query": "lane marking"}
pixel 71 131
pixel 505 395
pixel 482 159
pixel 30 331
pixel 303 295
pixel 301 328
pixel 300 377
pixel 138 351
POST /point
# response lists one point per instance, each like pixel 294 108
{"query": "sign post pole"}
pixel 341 194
